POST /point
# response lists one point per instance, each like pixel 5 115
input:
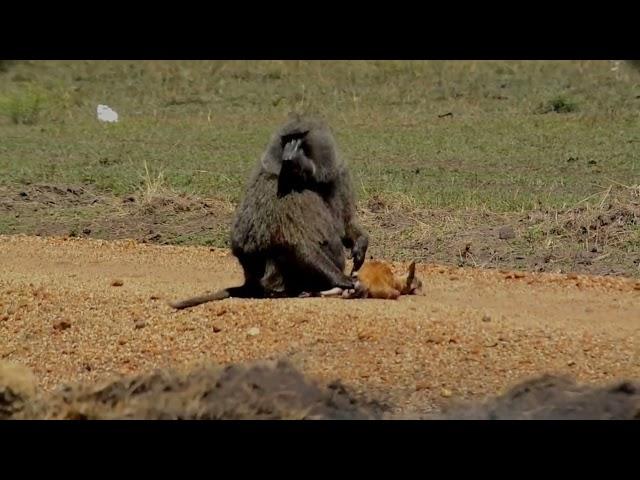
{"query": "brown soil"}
pixel 78 310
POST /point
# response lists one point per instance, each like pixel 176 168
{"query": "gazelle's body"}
pixel 376 279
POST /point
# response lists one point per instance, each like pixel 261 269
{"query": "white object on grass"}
pixel 105 114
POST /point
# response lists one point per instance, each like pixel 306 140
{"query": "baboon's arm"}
pixel 360 243
pixel 318 261
pixel 355 238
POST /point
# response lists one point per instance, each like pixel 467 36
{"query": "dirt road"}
pixel 77 309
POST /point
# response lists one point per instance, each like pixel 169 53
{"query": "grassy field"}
pixel 530 165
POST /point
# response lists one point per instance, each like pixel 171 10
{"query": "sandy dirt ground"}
pixel 84 310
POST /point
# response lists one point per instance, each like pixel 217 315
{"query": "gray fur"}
pixel 297 216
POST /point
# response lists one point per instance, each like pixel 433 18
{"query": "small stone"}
pixel 423 385
pixel 154 297
pixel 216 329
pixel 486 318
pixel 571 363
pixel 253 331
pixel 446 393
pixel 506 233
pixel 61 325
pixel 364 335
pixel 117 283
pixel 139 324
pixel 122 341
pixel 86 231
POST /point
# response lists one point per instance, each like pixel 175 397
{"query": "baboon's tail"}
pixel 238 292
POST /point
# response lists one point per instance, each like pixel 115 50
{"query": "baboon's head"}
pixel 304 147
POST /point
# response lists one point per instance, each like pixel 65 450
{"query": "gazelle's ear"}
pixel 412 271
pixel 410 276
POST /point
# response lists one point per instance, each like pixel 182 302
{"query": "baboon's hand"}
pixel 291 149
pixel 358 259
pixel 358 253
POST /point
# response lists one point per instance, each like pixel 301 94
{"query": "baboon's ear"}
pixel 271 164
pixel 272 159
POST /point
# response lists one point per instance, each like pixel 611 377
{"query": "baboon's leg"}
pixel 272 281
pixel 320 271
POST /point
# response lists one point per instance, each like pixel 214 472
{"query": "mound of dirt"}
pixel 261 391
pixel 177 203
pixel 17 387
pixel 557 398
pixel 596 238
pixel 49 195
pixel 277 391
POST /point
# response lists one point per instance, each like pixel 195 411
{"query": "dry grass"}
pixel 153 186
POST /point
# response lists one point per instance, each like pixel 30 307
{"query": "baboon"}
pixel 296 218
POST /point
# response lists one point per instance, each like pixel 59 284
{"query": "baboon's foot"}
pixel 350 293
pixel 334 292
pixel 358 292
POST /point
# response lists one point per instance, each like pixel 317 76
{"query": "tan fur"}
pixel 377 280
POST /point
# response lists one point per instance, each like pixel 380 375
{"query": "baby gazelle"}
pixel 375 279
